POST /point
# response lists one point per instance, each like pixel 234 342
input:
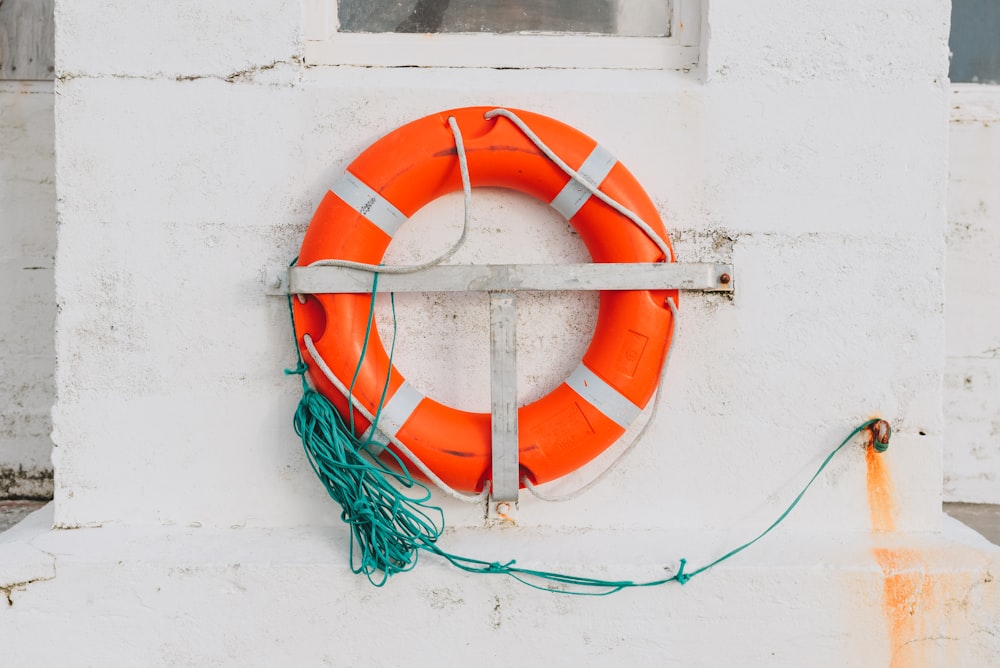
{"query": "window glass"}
pixel 975 41
pixel 608 17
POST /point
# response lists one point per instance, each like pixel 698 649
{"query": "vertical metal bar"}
pixel 503 395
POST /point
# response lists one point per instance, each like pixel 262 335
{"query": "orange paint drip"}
pixel 906 588
pixel 907 597
pixel 880 493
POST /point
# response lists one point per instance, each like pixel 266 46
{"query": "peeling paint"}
pixel 33 484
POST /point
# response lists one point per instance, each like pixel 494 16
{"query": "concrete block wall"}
pixel 972 381
pixel 809 149
pixel 186 166
pixel 971 459
pixel 27 287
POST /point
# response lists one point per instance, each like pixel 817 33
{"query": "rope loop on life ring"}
pixel 532 154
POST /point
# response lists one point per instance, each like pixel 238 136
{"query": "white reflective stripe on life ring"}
pixel 603 397
pixel 394 413
pixel 380 211
pixel 594 170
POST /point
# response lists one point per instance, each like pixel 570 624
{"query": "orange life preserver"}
pixel 417 163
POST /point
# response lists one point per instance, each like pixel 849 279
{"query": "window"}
pixel 638 34
pixel 646 18
pixel 975 41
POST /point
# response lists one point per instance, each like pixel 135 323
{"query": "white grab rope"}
pixel 440 484
pixel 660 243
pixel 653 236
pixel 528 485
pixel 463 165
pixel 576 176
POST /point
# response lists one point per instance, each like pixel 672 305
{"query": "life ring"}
pixel 417 163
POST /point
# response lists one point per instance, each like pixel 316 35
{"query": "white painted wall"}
pixel 972 381
pixel 971 458
pixel 186 166
pixel 27 289
pixel 809 149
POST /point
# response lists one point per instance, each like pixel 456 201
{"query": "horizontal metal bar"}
pixel 509 277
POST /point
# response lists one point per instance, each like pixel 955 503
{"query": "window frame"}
pixel 325 46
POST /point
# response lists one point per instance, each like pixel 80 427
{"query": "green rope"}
pixel 300 366
pixel 390 515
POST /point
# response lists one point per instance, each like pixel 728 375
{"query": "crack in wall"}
pixel 246 75
pixel 22 585
pixel 8 590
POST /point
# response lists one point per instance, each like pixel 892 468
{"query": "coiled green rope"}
pixel 390 514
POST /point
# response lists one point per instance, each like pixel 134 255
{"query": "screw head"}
pixel 725 279
pixel 503 508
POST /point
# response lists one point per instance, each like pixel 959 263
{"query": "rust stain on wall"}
pixel 907 587
pixel 881 495
pixel 907 596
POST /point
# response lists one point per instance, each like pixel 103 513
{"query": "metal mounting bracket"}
pixel 503 282
pixel 705 277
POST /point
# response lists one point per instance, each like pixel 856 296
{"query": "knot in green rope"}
pixel 361 510
pixel 497 567
pixel 299 369
pixel 682 577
